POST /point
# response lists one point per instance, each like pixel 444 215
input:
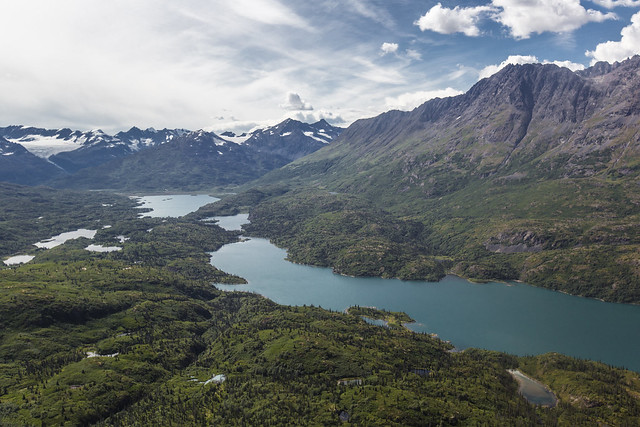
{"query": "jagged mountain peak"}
pixel 601 68
pixel 321 122
pixel 293 139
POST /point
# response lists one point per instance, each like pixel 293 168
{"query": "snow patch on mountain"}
pixel 236 139
pixel 46 146
pixel 139 144
pixel 325 140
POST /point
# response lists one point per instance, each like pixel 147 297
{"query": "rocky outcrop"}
pixel 515 242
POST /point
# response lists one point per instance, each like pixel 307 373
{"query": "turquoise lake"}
pixel 515 318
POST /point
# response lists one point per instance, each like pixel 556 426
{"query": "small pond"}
pixel 173 205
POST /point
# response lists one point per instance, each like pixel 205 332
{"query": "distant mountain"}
pixel 99 148
pixel 533 174
pixel 191 160
pixel 75 150
pixel 18 165
pixel 292 139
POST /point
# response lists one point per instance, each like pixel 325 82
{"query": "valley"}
pixel 511 317
pixel 131 337
pixel 529 176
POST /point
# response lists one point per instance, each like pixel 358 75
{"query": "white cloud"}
pixel 526 17
pixel 457 20
pixel 410 100
pixel 315 116
pixel 628 45
pixel 295 103
pixel 370 11
pixel 521 17
pixel 239 126
pixel 379 74
pixel 388 48
pixel 610 4
pixel 573 66
pixel 413 54
pixel 269 12
pixel 175 64
pixel 490 70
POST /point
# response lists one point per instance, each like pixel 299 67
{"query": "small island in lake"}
pixel 391 319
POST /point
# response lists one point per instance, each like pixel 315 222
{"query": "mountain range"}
pixel 94 159
pixel 532 174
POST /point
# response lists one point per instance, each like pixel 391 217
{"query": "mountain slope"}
pixel 99 148
pixel 17 165
pixel 525 116
pixel 292 139
pixel 532 174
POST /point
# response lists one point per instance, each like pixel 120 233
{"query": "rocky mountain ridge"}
pixel 72 150
pixel 523 121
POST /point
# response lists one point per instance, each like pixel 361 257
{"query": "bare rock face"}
pixel 515 242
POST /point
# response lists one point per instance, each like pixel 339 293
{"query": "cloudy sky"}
pixel 235 64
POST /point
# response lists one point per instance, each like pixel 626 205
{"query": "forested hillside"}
pixel 140 337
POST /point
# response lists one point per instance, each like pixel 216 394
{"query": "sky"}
pixel 240 64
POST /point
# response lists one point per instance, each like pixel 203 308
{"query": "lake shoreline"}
pixel 501 328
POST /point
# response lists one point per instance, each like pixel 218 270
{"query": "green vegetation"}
pixel 538 232
pixel 589 392
pixel 233 204
pixel 346 233
pixel 392 319
pixel 29 215
pixel 133 338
